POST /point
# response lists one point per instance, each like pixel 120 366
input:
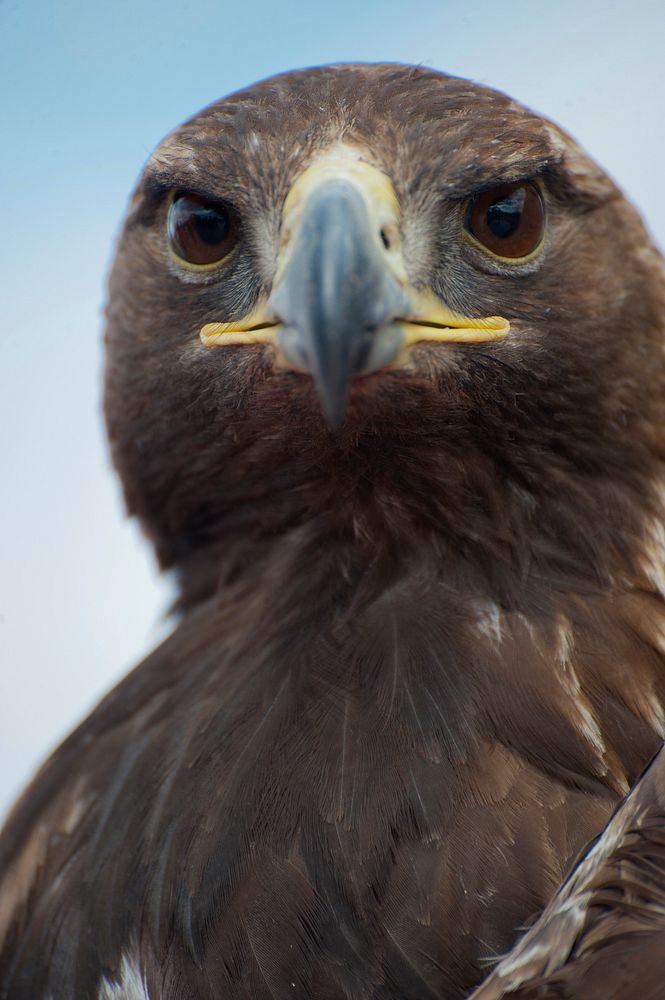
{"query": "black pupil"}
pixel 212 224
pixel 504 214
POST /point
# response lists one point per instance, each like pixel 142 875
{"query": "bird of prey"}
pixel 386 389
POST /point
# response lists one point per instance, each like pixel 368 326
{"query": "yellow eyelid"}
pixel 180 261
pixel 473 241
pixel 197 268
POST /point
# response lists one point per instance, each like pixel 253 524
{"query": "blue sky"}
pixel 87 90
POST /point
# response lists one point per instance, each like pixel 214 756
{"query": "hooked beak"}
pixel 341 303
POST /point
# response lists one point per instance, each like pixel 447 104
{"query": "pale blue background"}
pixel 87 89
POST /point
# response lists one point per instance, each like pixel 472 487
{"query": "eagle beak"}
pixel 341 303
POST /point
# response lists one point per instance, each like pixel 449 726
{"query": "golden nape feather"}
pixel 385 387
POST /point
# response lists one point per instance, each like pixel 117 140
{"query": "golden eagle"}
pixel 386 389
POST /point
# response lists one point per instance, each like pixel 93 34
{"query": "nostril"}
pixel 385 240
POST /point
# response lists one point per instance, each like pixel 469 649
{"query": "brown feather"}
pixel 603 934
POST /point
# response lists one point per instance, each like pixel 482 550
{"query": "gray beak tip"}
pixel 334 407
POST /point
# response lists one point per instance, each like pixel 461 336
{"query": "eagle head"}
pixel 389 303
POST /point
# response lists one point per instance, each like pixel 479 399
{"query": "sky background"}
pixel 88 89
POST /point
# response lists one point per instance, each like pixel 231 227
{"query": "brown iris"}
pixel 201 231
pixel 508 219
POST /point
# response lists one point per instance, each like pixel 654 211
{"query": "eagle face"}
pixel 384 284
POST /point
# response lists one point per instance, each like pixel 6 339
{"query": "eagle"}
pixel 385 387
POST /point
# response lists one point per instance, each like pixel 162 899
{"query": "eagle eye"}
pixel 201 231
pixel 507 219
